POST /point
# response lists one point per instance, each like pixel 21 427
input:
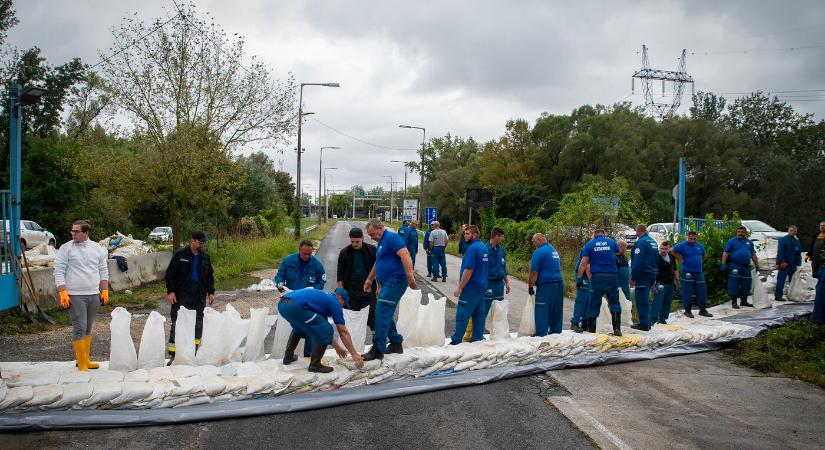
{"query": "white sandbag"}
pixel 527 327
pixel 356 322
pixel 75 376
pixel 107 376
pixel 73 394
pixel 408 307
pixel 185 337
pixel 122 354
pixel 16 396
pixel 160 373
pixel 213 385
pixel 258 329
pixel 210 351
pixel 430 323
pixel 43 395
pixel 103 393
pixel 179 372
pixel 152 352
pixel 282 332
pixel 133 392
pixel 497 320
pixel 234 333
pixel 803 284
pixel 186 387
pixel 137 376
pixel 760 295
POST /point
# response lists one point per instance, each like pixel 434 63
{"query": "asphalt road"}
pixel 508 414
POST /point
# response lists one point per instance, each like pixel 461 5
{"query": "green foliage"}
pixel 796 349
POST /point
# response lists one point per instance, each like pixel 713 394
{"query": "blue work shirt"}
pixel 601 254
pixel 402 231
pixel 496 262
pixel 645 257
pixel 462 244
pixel 388 266
pixel 426 242
pixel 412 239
pixel 578 264
pixel 196 263
pixel 692 255
pixel 739 251
pixel 297 274
pixel 319 302
pixel 475 259
pixel 547 263
pixel 789 251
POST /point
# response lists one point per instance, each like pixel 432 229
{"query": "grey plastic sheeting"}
pixel 760 320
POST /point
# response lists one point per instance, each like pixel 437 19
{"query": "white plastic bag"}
pixel 185 338
pixel 356 322
pixel 802 285
pixel 760 295
pixel 122 354
pixel 212 339
pixel 258 329
pixel 282 331
pixel 527 327
pixel 408 308
pixel 430 327
pixel 152 342
pixel 234 332
pixel 498 324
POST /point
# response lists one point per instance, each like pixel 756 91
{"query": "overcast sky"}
pixel 466 67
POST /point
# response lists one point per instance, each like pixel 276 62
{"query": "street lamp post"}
pixel 298 175
pixel 423 140
pixel 320 166
pixel 391 194
pixel 309 207
pixel 326 194
pixel 405 179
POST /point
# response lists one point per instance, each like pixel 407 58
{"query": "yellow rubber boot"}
pixel 80 354
pixel 89 363
pixel 468 335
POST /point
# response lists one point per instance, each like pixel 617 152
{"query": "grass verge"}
pixel 796 349
pixel 14 322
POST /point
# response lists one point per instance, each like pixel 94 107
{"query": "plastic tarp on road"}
pixel 757 321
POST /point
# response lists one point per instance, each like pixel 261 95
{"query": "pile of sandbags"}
pixel 42 255
pixel 120 245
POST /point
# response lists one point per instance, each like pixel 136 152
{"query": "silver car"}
pixel 161 234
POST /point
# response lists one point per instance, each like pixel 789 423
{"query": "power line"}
pixel 756 50
pixel 123 49
pixel 740 38
pixel 773 92
pixel 384 147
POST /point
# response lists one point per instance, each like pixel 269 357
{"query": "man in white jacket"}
pixel 81 274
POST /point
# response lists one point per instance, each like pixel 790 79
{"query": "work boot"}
pixel 641 327
pixel 704 312
pixel 688 313
pixel 80 354
pixel 291 345
pixel 780 299
pixel 444 279
pixel 744 302
pixel 591 325
pixel 616 318
pixel 315 359
pixel 576 328
pixel 395 348
pixel 435 278
pixel 374 353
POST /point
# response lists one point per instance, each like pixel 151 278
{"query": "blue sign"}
pixel 430 214
pixel 408 217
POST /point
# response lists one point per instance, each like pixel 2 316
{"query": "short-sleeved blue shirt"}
pixel 496 262
pixel 692 255
pixel 601 254
pixel 739 250
pixel 475 259
pixel 320 302
pixel 578 264
pixel 547 263
pixel 388 266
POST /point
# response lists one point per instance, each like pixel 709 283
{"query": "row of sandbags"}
pixel 802 287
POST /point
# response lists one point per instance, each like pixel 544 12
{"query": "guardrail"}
pixel 306 230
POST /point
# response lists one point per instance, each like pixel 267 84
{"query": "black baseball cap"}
pixel 356 233
pixel 199 236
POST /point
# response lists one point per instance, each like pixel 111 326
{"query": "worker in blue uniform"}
pixel 307 310
pixel 394 272
pixel 462 244
pixel 663 289
pixel 411 240
pixel 645 267
pixel 788 258
pixel 599 262
pixel 299 270
pixel 498 282
pixel 737 255
pixel 691 254
pixel 624 270
pixel 426 245
pixel 582 297
pixel 546 283
pixel 472 285
pixel 403 229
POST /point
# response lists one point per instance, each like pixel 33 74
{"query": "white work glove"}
pixel 280 287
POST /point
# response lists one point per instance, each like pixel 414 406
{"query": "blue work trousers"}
pixel 624 281
pixel 494 291
pixel 781 276
pixel 305 323
pixel 694 282
pixel 818 316
pixel 470 304
pixel 602 284
pixel 549 308
pixel 385 308
pixel 439 259
pixel 662 301
pixel 642 287
pixel 739 280
pixel 580 305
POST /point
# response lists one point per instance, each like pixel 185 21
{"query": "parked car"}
pixel 161 234
pixel 661 231
pixel 32 234
pixel 625 233
pixel 761 232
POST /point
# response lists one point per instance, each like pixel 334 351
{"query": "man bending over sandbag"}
pixel 307 310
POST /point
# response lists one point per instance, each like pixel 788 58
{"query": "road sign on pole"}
pixel 410 209
pixel 430 214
